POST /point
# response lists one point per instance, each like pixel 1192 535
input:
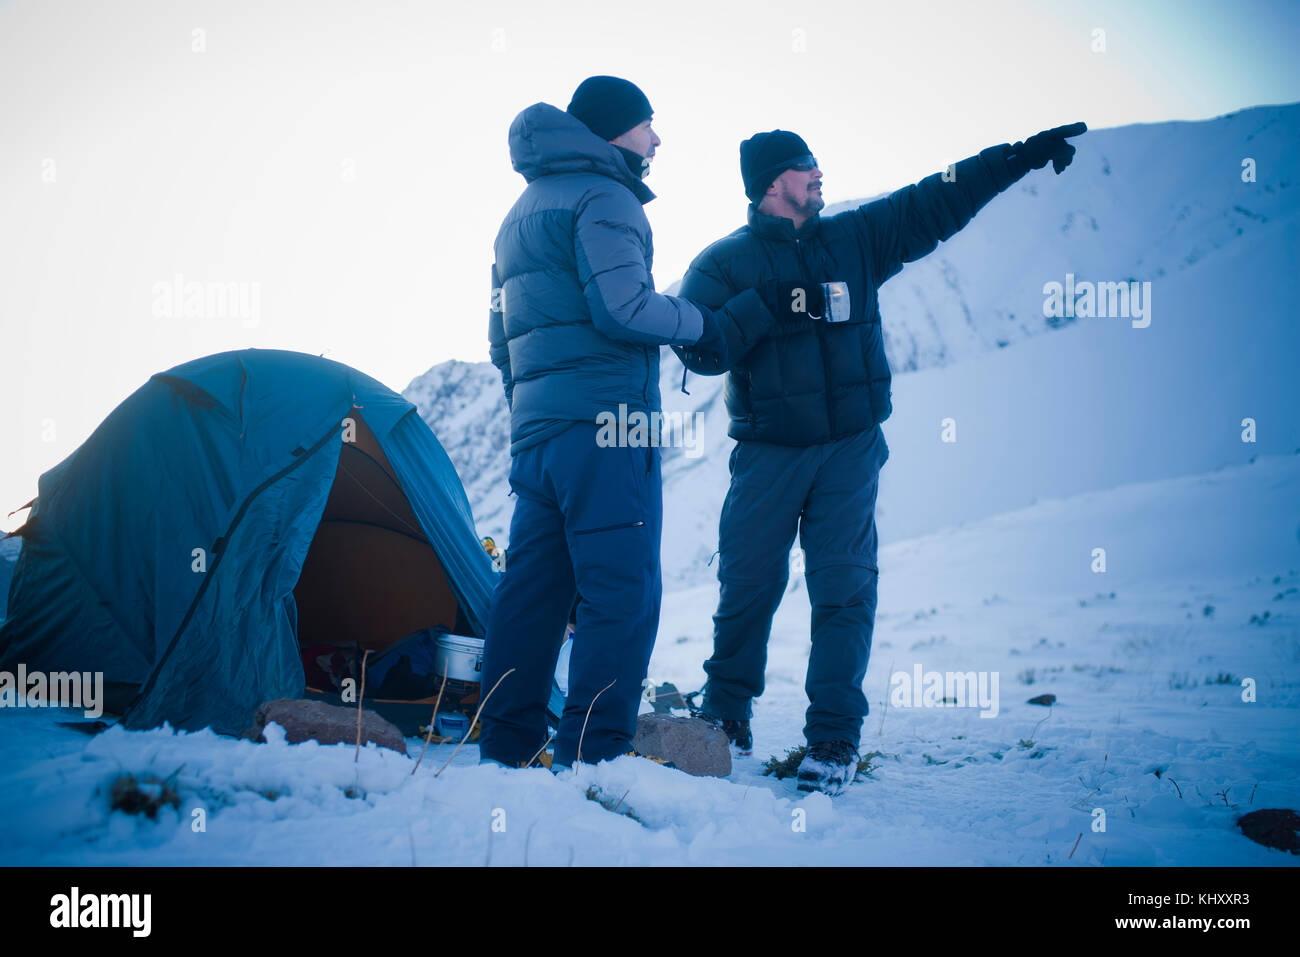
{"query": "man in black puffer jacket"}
pixel 806 401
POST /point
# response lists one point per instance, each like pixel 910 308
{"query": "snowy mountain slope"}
pixel 1149 727
pixel 465 405
pixel 1093 405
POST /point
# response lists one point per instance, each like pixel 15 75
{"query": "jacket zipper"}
pixel 821 347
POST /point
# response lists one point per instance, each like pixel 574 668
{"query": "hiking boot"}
pixel 737 732
pixel 828 767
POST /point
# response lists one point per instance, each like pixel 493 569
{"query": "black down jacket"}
pixel 805 381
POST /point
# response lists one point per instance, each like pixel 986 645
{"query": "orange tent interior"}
pixel 371 577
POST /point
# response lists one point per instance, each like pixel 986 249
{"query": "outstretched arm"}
pixel 908 224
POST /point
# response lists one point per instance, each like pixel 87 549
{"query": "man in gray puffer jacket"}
pixel 575 329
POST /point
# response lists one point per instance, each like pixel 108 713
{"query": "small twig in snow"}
pixel 361 697
pixel 539 751
pixel 429 737
pixel 475 721
pixel 881 730
pixel 588 717
pixel 528 837
pixel 1040 724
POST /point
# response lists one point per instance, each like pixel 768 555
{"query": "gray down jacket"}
pixel 576 325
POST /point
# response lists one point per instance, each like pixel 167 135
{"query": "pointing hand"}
pixel 1051 144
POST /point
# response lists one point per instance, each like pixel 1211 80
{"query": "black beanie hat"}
pixel 609 106
pixel 765 156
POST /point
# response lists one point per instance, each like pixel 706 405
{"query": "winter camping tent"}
pixel 230 512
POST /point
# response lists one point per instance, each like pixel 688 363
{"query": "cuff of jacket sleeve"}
pixel 690 326
pixel 1004 174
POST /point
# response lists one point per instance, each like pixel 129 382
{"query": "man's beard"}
pixel 809 204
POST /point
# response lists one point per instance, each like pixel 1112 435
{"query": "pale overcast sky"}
pixel 346 162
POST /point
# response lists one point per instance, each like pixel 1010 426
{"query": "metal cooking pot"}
pixel 459 658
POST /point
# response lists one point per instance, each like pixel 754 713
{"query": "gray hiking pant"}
pixel 828 493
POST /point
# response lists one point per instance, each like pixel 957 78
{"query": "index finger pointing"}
pixel 1072 129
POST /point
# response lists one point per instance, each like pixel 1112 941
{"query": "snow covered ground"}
pixel 1146 660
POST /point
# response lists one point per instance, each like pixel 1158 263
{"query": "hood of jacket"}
pixel 545 140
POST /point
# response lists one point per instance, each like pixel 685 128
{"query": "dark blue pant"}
pixel 827 492
pixel 588 520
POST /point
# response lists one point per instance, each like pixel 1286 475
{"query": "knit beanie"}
pixel 609 106
pixel 765 156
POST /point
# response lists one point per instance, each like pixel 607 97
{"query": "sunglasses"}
pixel 803 163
